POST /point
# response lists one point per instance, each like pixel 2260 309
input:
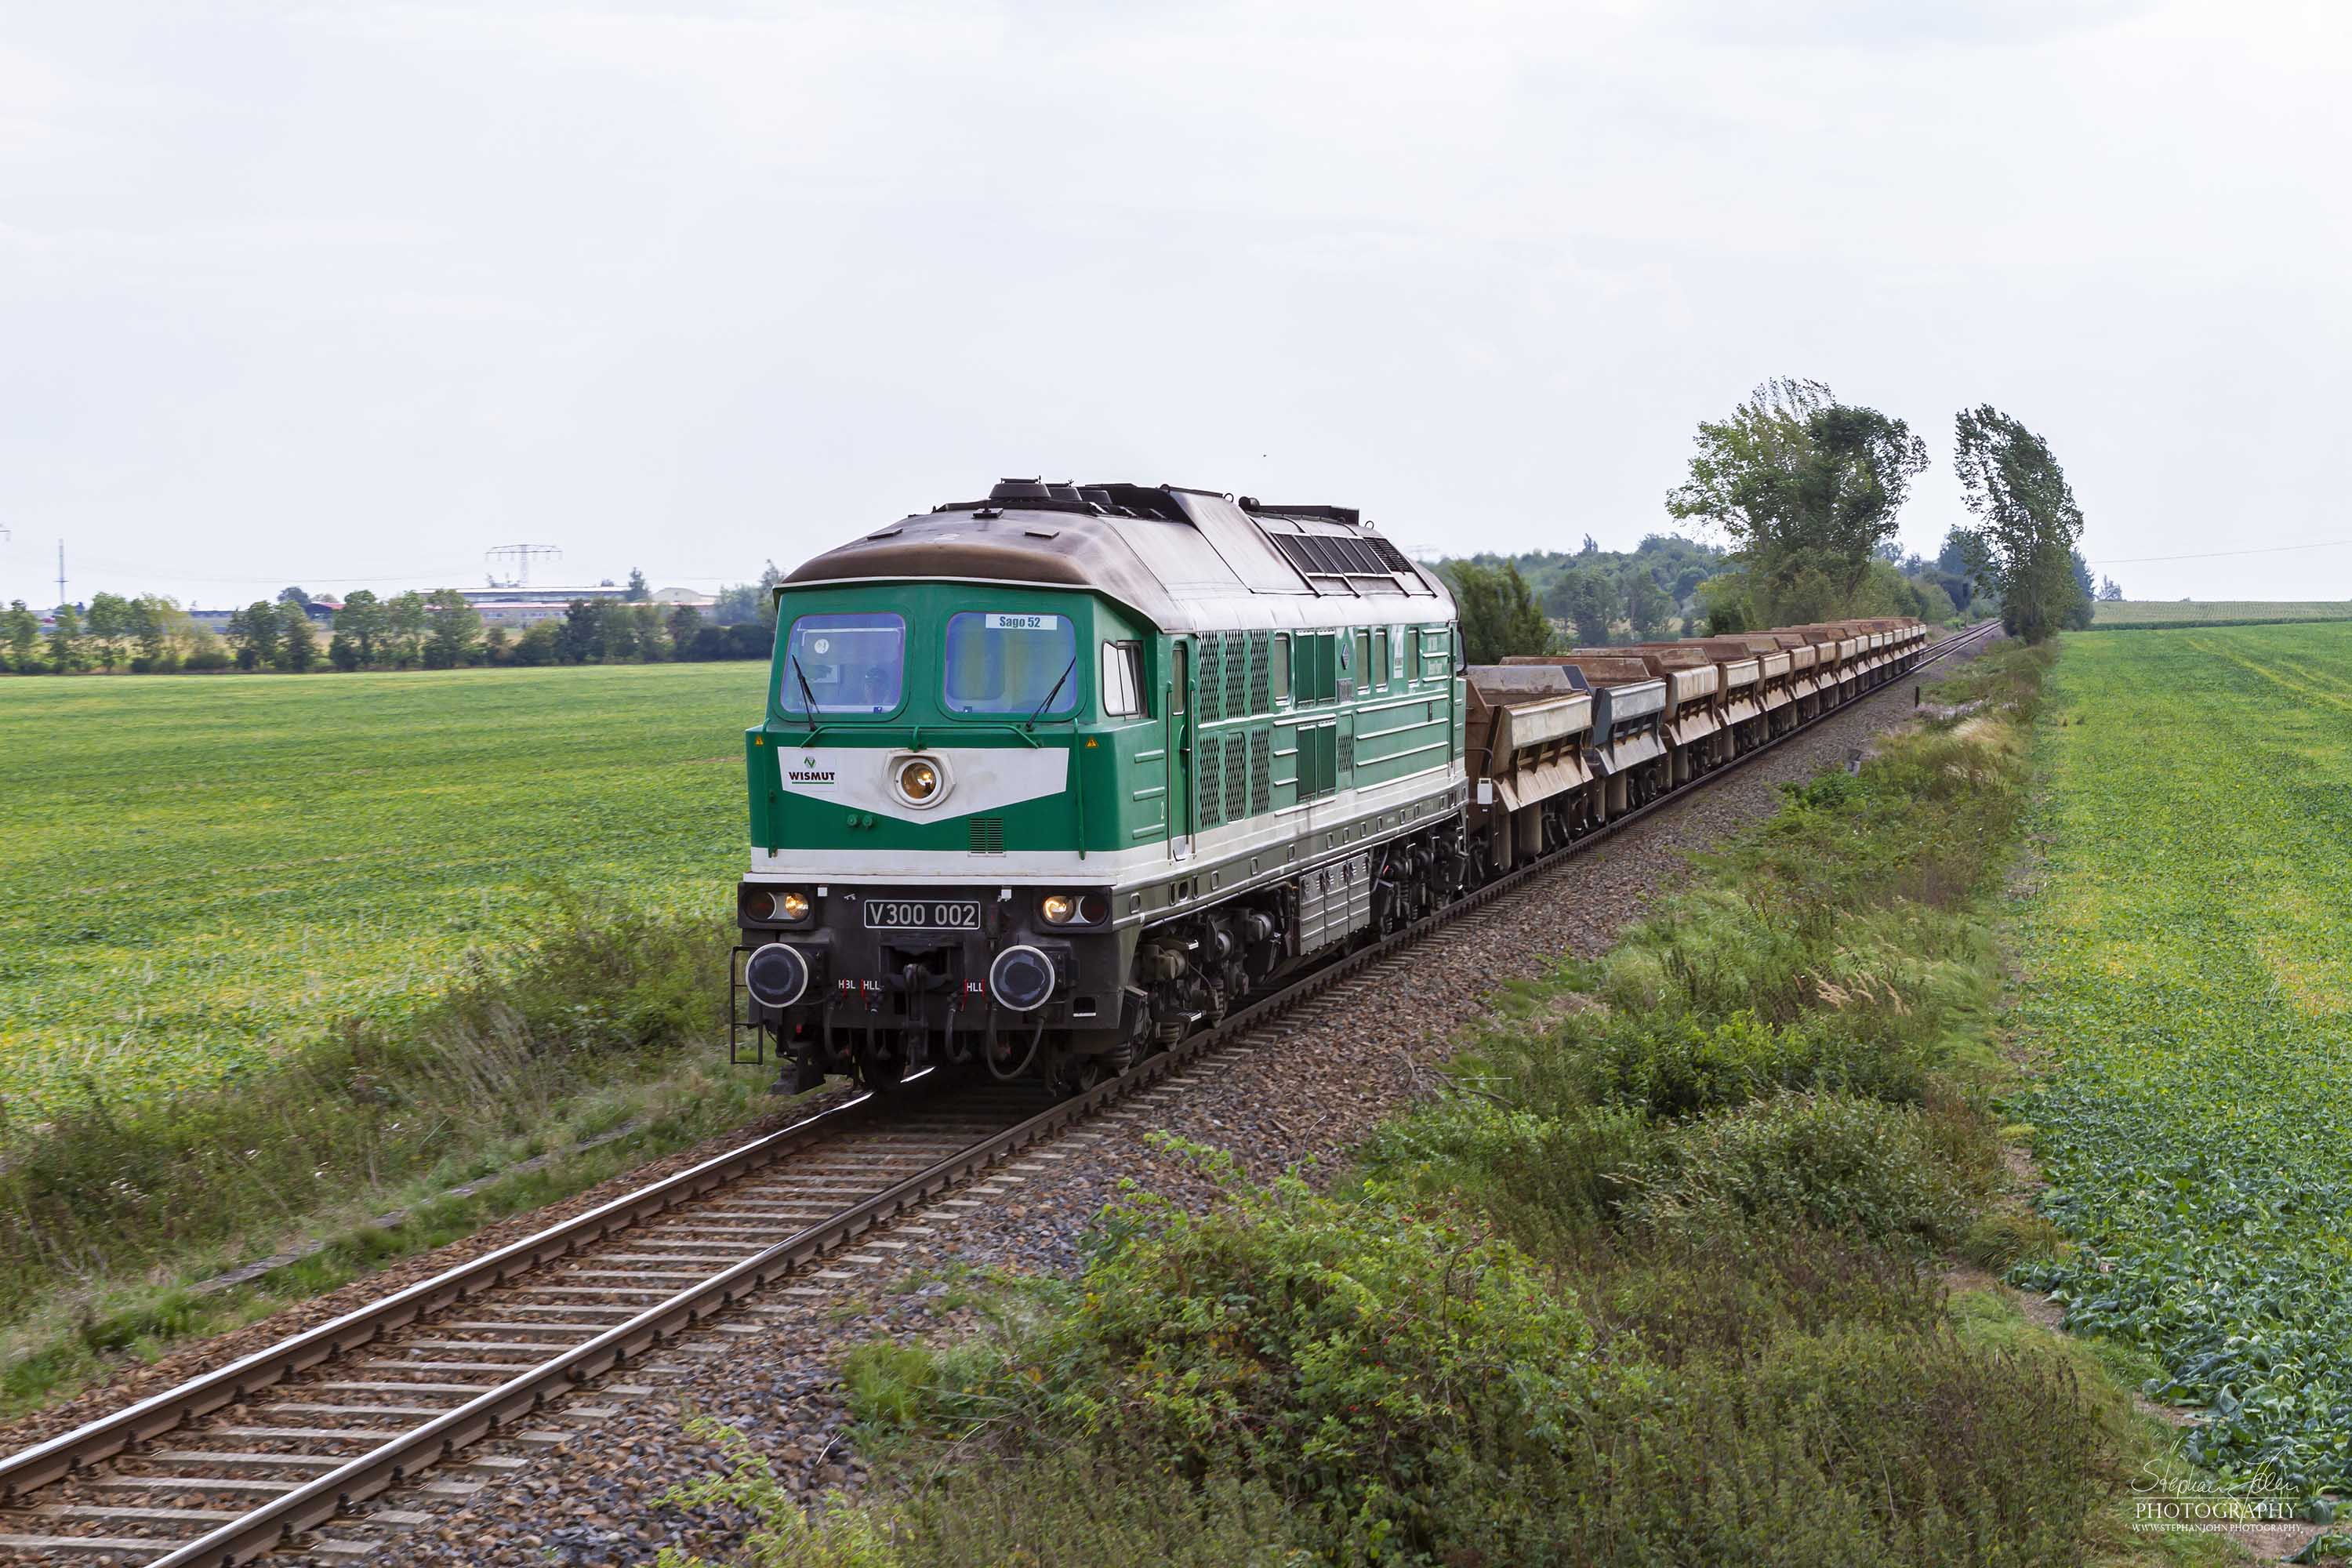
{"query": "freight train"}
pixel 1048 781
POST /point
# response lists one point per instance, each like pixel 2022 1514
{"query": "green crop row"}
pixel 2190 975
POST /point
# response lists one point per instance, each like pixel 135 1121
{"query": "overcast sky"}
pixel 343 294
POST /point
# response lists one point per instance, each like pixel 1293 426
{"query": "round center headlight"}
pixel 920 781
pixel 776 975
pixel 1022 978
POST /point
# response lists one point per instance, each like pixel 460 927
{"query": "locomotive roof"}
pixel 1186 559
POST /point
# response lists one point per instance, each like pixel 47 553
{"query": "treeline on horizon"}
pixel 153 635
pixel 1806 490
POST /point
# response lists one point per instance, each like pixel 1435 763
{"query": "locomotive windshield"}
pixel 1014 664
pixel 843 663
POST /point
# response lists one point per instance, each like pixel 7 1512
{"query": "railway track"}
pixel 305 1442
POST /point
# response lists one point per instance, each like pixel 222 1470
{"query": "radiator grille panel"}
pixel 987 835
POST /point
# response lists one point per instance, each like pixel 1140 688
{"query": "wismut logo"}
pixel 809 776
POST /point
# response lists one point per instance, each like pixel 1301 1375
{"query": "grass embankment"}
pixel 2191 983
pixel 1658 1279
pixel 2130 615
pixel 107 1216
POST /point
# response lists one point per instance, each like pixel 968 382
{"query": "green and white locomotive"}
pixel 1049 779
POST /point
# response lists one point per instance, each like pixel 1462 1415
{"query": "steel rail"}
pixel 33 1468
pixel 315 1503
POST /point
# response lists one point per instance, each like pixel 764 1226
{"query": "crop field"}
pixel 2189 972
pixel 198 872
pixel 2215 612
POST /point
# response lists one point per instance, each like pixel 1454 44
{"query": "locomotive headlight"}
pixel 1059 909
pixel 920 781
pixel 757 904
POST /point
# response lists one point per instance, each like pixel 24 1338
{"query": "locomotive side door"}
pixel 1178 708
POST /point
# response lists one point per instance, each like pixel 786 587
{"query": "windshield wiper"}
pixel 806 695
pixel 1056 691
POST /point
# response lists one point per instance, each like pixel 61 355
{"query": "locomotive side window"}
pixel 843 663
pixel 1122 680
pixel 1281 676
pixel 1379 669
pixel 1020 664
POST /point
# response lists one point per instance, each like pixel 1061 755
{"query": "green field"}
pixel 201 872
pixel 2129 613
pixel 2190 970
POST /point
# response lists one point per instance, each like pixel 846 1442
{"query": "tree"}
pixel 1591 546
pixel 2110 591
pixel 495 646
pixel 1646 607
pixel 683 621
pixel 1805 487
pixel 294 595
pixel 364 621
pixel 1723 605
pixel 404 627
pixel 2027 517
pixel 646 626
pixel 456 625
pixel 297 647
pixel 637 593
pixel 111 622
pixel 1498 612
pixel 583 635
pixel 258 633
pixel 1585 599
pixel 541 643
pixel 2077 617
pixel 736 604
pixel 21 629
pixel 66 653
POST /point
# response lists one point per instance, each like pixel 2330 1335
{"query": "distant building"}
pixel 528 606
pixel 318 612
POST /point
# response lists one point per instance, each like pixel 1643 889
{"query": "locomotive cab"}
pixel 922 888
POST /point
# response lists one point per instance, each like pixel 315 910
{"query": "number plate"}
pixel 921 914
